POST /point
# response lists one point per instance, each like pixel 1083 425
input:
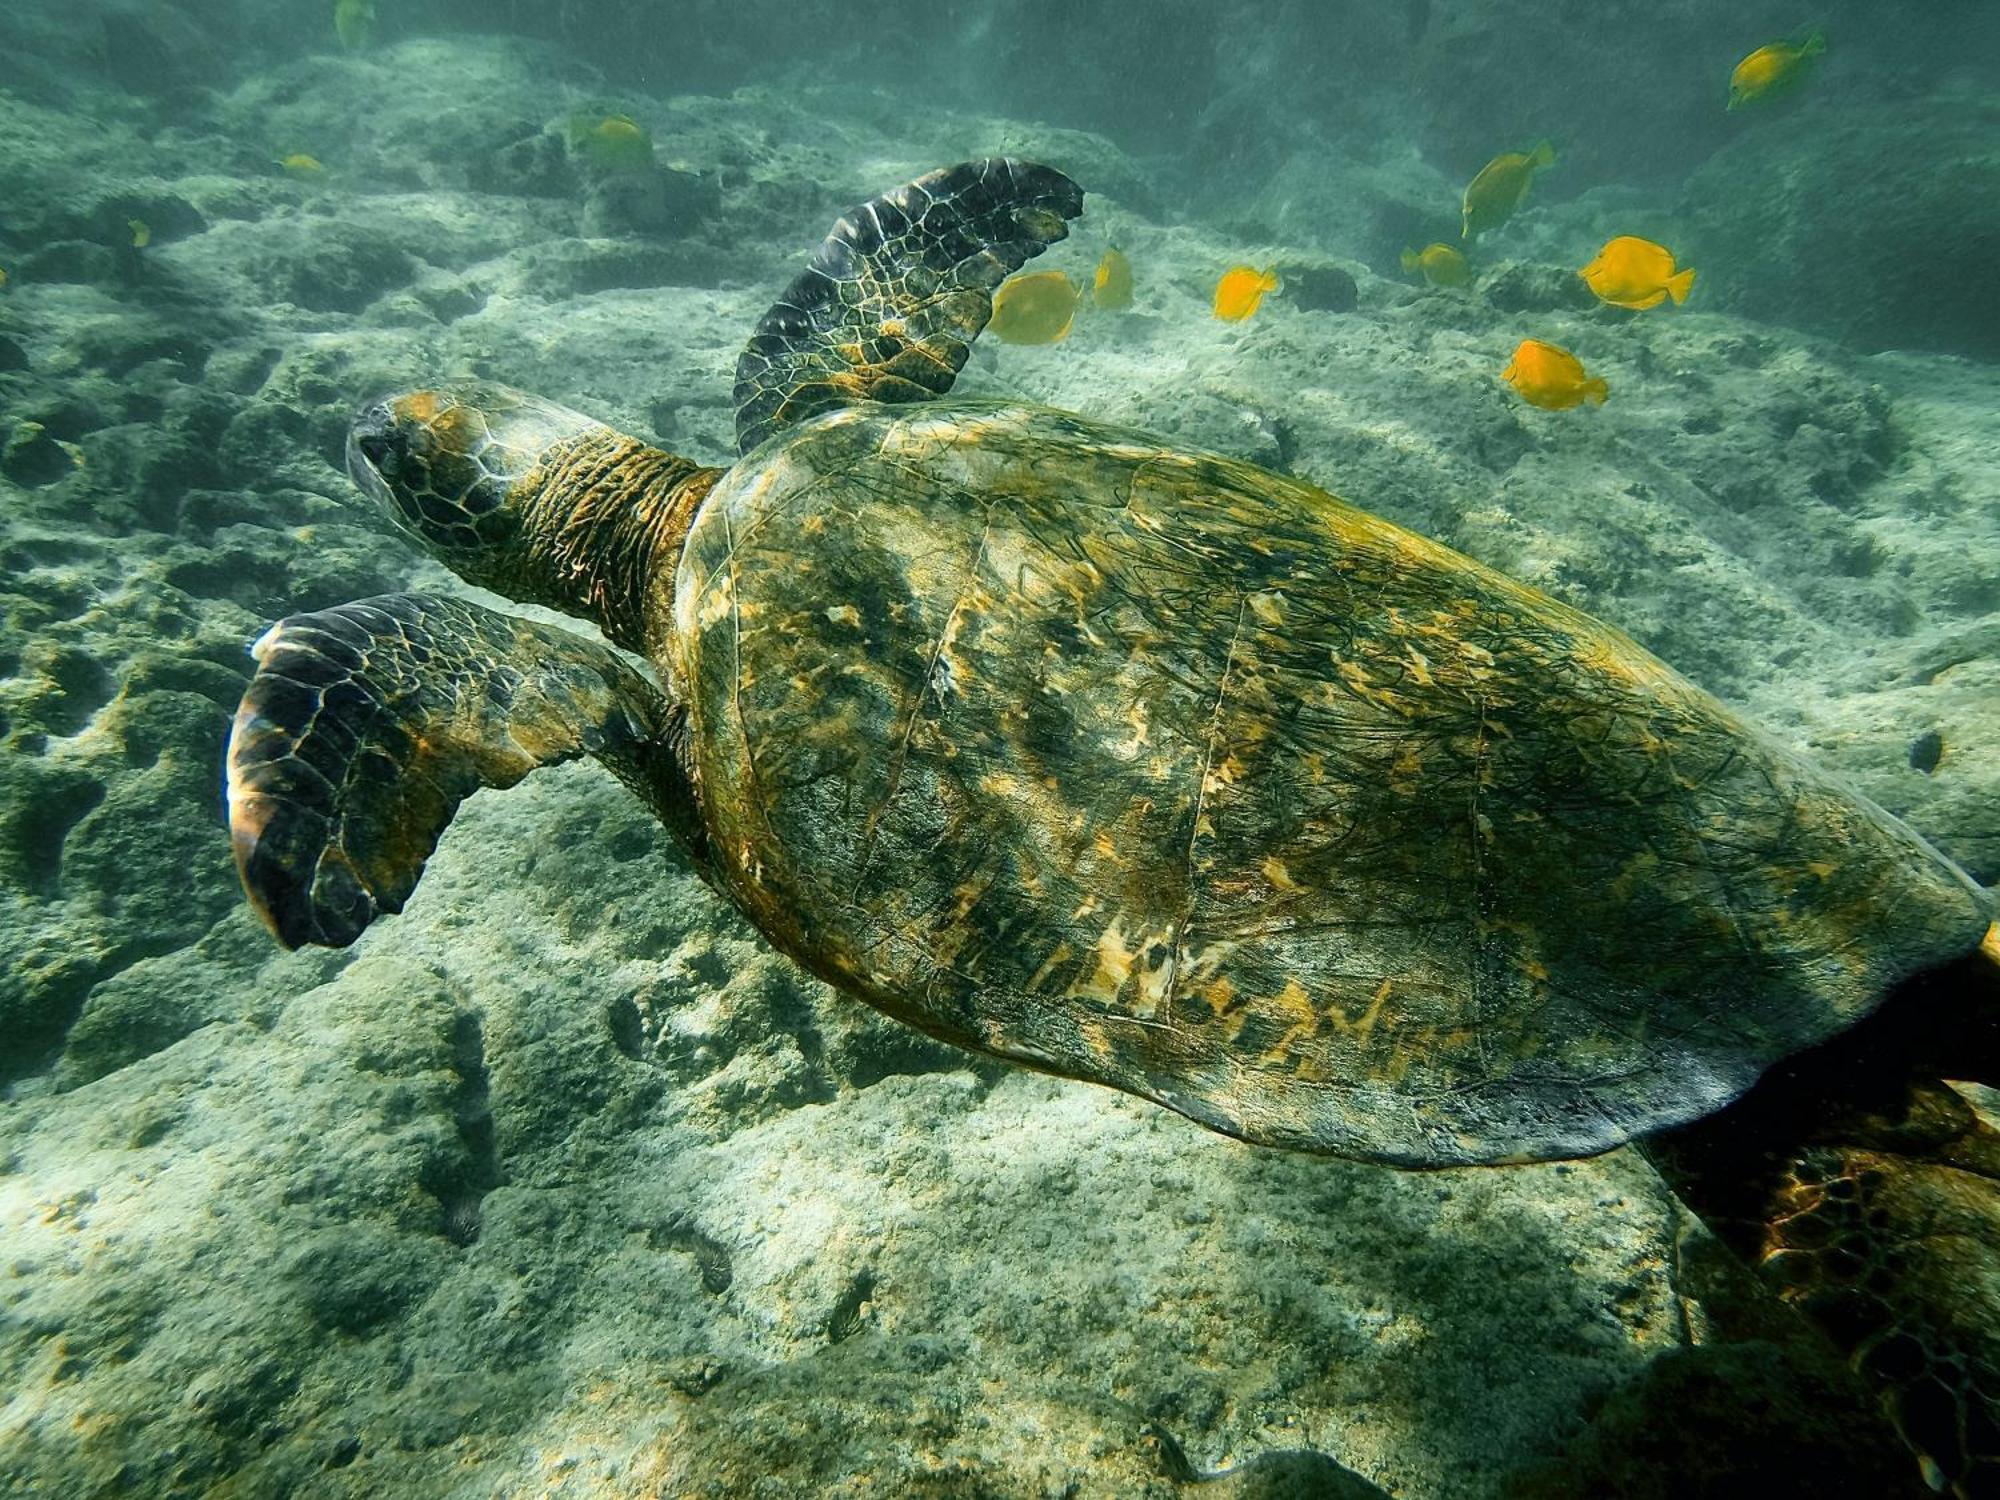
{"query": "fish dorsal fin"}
pixel 888 307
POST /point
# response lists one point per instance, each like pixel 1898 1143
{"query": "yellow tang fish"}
pixel 298 164
pixel 1440 264
pixel 1240 291
pixel 1636 273
pixel 612 143
pixel 1037 308
pixel 354 22
pixel 1492 196
pixel 1111 285
pixel 1551 377
pixel 1773 70
pixel 142 233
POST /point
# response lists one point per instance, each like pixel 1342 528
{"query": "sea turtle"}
pixel 1157 769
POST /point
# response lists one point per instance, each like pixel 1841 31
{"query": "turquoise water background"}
pixel 563 1182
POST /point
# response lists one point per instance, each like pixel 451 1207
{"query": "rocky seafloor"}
pixel 563 1183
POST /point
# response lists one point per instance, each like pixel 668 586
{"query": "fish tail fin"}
pixel 1411 260
pixel 1813 45
pixel 1679 286
pixel 1544 155
pixel 1596 390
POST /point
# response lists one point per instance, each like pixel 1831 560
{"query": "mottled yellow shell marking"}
pixel 1159 770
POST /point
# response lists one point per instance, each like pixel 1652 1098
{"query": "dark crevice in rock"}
pixel 792 1014
pixel 462 1188
pixel 906 1054
pixel 42 824
pixel 33 458
pixel 54 1006
pixel 711 1256
pixel 56 1000
pixel 82 688
pixel 628 1028
pixel 847 1316
pixel 1167 1451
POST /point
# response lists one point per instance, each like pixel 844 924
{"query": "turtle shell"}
pixel 1159 770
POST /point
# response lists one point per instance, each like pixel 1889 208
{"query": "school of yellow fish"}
pixel 1040 307
pixel 1628 272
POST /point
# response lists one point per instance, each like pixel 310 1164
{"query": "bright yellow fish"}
pixel 1037 308
pixel 1240 291
pixel 612 143
pixel 298 164
pixel 1111 285
pixel 142 233
pixel 1773 70
pixel 1440 265
pixel 1551 377
pixel 1493 195
pixel 354 22
pixel 1636 273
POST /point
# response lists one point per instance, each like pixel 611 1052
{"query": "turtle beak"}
pixel 376 447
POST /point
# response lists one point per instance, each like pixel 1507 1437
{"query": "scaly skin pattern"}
pixel 1895 1256
pixel 887 308
pixel 1867 1192
pixel 367 724
pixel 531 499
pixel 1162 771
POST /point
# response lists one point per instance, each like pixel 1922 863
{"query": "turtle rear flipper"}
pixel 366 725
pixel 1866 1191
pixel 888 307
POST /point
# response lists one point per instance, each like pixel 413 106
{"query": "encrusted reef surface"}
pixel 563 1183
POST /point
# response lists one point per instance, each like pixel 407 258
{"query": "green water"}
pixel 566 1180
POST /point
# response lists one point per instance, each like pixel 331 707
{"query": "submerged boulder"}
pixel 1879 227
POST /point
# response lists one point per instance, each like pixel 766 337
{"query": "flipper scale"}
pixel 366 725
pixel 887 308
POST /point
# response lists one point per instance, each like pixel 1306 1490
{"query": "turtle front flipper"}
pixel 888 307
pixel 366 725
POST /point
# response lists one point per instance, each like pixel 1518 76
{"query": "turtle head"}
pixel 527 498
pixel 459 469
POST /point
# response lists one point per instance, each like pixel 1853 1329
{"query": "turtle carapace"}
pixel 1150 768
